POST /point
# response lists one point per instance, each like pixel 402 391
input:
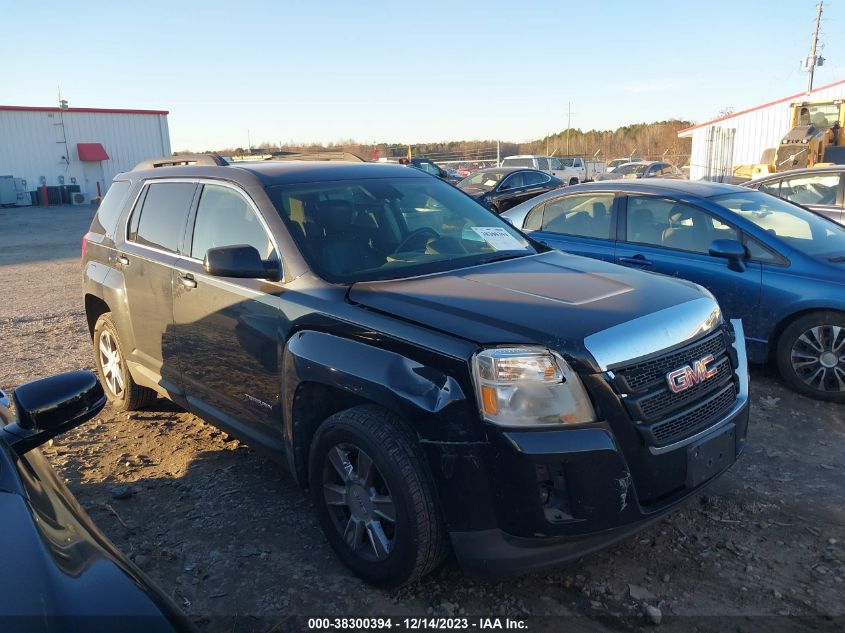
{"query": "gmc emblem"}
pixel 687 376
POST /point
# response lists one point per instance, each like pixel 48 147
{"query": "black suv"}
pixel 430 373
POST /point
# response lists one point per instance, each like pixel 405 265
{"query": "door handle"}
pixel 188 281
pixel 123 260
pixel 636 260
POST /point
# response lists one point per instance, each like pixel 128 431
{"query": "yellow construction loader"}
pixel 815 139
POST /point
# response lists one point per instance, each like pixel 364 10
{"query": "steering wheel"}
pixel 416 235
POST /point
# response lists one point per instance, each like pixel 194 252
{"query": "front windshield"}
pixel 485 180
pixel 805 231
pixel 364 230
pixel 630 169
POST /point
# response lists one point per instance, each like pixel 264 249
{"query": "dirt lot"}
pixel 229 535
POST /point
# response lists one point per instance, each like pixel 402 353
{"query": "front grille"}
pixel 664 417
pixel 690 422
pixel 642 375
pixel 657 404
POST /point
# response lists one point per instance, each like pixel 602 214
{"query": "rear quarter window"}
pixel 108 214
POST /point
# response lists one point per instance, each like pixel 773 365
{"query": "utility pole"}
pixel 813 60
pixel 568 123
pixel 498 155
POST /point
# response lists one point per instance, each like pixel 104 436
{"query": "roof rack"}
pixel 182 160
pixel 348 157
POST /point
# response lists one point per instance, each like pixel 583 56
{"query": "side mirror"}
pixel 50 406
pixel 240 261
pixel 504 187
pixel 731 250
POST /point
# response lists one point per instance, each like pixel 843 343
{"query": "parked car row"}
pixel 429 373
pixel 642 169
pixel 571 170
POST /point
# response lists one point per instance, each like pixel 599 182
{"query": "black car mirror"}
pixel 50 406
pixel 732 250
pixel 240 261
pixel 504 187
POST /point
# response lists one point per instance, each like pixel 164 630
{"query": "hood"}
pixel 552 299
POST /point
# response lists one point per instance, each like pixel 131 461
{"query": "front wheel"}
pixel 573 181
pixel 374 497
pixel 811 355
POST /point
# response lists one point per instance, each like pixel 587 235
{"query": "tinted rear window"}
pixel 163 215
pixel 111 206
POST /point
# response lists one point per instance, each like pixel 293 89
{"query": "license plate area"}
pixel 711 456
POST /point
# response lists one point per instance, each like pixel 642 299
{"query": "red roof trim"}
pixel 94 110
pixel 91 151
pixel 759 107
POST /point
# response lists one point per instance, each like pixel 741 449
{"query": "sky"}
pixel 410 72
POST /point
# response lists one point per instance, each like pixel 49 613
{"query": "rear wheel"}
pixel 374 497
pixel 811 355
pixel 120 388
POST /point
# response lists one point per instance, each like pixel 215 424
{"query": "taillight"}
pixel 84 246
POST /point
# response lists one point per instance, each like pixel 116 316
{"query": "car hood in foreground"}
pixel 61 574
pixel 551 299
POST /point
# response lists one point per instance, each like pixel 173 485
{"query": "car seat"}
pixel 641 226
pixel 686 237
pixel 344 249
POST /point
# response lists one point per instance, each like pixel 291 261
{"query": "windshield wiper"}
pixel 841 258
pixel 498 257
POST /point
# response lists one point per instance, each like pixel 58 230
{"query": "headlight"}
pixel 529 386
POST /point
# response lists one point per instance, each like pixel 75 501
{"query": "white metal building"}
pixel 78 146
pixel 740 138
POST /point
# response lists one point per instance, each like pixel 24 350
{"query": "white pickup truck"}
pixel 570 169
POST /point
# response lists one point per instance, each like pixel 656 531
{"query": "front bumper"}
pixel 530 499
pixel 598 504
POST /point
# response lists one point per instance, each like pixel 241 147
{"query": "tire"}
pixel 573 181
pixel 398 486
pixel 492 207
pixel 811 355
pixel 121 390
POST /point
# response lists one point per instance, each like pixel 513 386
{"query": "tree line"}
pixel 650 141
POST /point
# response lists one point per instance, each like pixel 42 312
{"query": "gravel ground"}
pixel 229 535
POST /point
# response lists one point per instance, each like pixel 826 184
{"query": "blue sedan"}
pixel 777 266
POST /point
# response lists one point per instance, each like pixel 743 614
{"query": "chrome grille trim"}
pixel 661 330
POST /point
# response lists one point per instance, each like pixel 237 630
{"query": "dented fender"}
pixel 431 399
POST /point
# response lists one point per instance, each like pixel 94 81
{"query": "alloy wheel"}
pixel 359 502
pixel 818 358
pixel 111 363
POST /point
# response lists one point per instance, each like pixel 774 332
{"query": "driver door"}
pixel 229 331
pixel 673 238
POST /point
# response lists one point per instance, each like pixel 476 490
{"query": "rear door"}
pixel 581 224
pixel 229 331
pixel 153 239
pixel 666 236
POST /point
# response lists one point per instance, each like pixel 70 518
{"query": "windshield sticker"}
pixel 499 238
